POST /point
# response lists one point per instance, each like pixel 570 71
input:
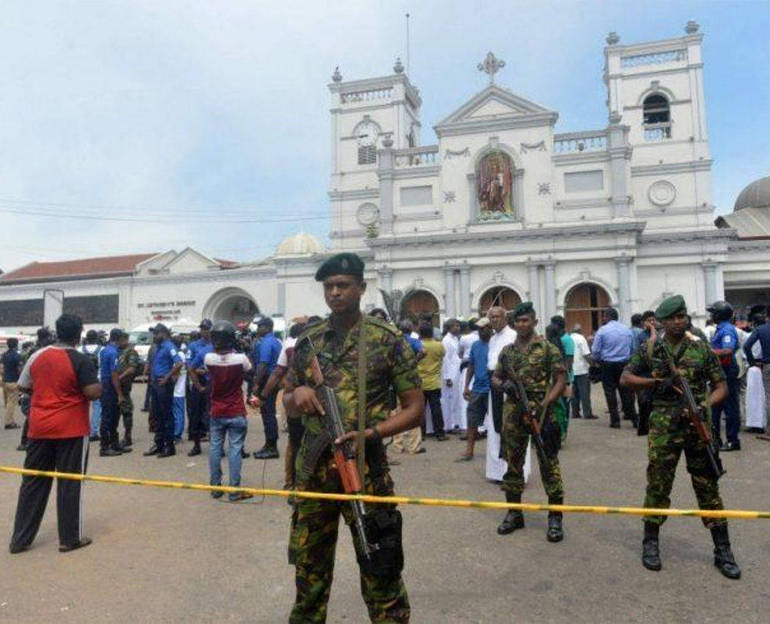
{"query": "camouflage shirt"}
pixel 696 360
pixel 128 358
pixel 390 362
pixel 535 367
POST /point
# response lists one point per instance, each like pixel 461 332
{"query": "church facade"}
pixel 501 208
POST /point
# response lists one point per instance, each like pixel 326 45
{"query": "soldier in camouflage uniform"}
pixel 128 367
pixel 390 363
pixel 671 431
pixel 540 367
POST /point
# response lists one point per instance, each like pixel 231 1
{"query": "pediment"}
pixel 190 261
pixel 497 106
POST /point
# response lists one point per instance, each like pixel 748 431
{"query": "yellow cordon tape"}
pixel 399 500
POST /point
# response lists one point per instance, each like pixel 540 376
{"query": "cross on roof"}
pixel 491 66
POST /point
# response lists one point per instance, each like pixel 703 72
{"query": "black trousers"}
pixel 198 413
pixel 62 455
pixel 433 399
pixel 498 398
pixel 611 372
pixel 108 427
pixel 162 399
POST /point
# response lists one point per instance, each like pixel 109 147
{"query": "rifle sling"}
pixel 361 403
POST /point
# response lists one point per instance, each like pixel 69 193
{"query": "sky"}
pixel 129 127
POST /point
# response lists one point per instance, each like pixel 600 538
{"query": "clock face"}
pixel 366 133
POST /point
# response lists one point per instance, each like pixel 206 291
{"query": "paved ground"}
pixel 167 556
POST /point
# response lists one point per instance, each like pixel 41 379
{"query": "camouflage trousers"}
pixel 515 437
pixel 312 544
pixel 127 412
pixel 669 435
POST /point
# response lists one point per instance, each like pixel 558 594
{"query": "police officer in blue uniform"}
pixel 199 394
pixel 725 344
pixel 108 367
pixel 163 373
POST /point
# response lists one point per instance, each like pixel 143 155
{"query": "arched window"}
pixel 498 296
pixel 420 304
pixel 583 305
pixel 657 118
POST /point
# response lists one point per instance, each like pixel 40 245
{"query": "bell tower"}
pixel 366 115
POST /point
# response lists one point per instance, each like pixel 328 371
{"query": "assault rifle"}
pixel 696 416
pixel 378 544
pixel 515 388
pixel 344 458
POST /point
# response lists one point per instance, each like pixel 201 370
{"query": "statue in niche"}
pixel 494 185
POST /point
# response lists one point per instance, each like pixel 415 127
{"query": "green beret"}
pixel 670 306
pixel 525 307
pixel 341 264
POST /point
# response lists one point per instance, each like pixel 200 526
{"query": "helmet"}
pixel 721 311
pixel 223 334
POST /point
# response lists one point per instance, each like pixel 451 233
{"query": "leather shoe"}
pixel 615 425
pixel 266 452
pixel 513 520
pixel 153 450
pixel 167 452
pixel 195 450
pixel 731 446
pixel 109 452
pixel 13 425
pixel 84 541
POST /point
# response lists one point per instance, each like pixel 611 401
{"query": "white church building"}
pixel 500 209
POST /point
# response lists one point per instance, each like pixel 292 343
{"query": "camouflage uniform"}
pixel 390 363
pixel 671 431
pixel 128 358
pixel 536 369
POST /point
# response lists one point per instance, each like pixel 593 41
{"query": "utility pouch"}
pixel 383 531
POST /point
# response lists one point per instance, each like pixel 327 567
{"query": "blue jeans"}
pixel 235 428
pixel 177 407
pixel 96 417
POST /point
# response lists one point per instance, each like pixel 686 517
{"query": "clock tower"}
pixel 366 116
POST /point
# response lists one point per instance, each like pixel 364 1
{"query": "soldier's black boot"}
pixel 723 554
pixel 555 531
pixel 513 518
pixel 650 550
pixel 126 443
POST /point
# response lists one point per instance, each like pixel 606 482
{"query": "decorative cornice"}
pixel 416 172
pixel 669 168
pixel 473 126
pixel 679 236
pixel 354 194
pixel 576 231
pixel 674 210
pixel 580 157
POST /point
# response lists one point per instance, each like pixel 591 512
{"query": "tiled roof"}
pixel 107 266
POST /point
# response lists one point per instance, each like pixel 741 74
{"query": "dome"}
pixel 755 195
pixel 300 244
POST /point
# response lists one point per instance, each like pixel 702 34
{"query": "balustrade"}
pixel 365 96
pixel 655 58
pixel 580 142
pixel 657 132
pixel 416 156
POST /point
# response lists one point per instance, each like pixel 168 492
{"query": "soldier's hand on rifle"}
pixel 353 436
pixel 306 401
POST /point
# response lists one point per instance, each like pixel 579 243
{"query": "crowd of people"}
pixel 498 376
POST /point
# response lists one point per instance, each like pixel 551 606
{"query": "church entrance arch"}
pixel 419 303
pixel 231 304
pixel 498 296
pixel 584 304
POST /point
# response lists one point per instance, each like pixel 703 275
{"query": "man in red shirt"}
pixel 61 381
pixel 227 411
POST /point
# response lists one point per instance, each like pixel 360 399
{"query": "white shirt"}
pixel 466 342
pixel 505 336
pixel 283 358
pixel 450 367
pixel 579 362
pixel 180 384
